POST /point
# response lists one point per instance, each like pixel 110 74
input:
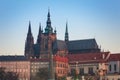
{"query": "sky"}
pixel 99 19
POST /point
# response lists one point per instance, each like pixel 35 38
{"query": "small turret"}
pixel 55 31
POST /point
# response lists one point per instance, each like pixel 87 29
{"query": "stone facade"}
pixel 114 63
pixel 60 65
pixel 89 64
pixel 18 64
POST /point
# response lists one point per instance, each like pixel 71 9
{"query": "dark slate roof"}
pixel 13 58
pixel 59 45
pixel 82 44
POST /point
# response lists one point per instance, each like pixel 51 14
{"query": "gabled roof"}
pixel 59 45
pixel 88 58
pixel 82 44
pixel 114 57
pixel 13 58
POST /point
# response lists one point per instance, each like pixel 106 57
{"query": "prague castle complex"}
pixel 68 57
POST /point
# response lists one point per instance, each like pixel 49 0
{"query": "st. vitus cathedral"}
pixel 47 41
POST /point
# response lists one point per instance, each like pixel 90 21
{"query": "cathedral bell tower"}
pixel 48 28
pixel 47 35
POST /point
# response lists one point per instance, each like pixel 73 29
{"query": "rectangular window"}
pixel 81 71
pixel 109 67
pixel 73 72
pixel 90 71
pixel 115 67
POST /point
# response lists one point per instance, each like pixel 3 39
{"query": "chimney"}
pixel 103 56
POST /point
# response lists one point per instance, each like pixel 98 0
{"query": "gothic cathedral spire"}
pixel 29 51
pixel 66 33
pixel 48 28
pixel 29 29
pixel 39 34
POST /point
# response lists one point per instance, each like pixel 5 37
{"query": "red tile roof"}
pixel 114 57
pixel 61 59
pixel 89 57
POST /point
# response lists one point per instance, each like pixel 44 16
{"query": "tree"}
pixel 2 73
pixel 63 78
pixel 42 74
pixel 74 74
pixel 11 76
pixel 7 75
